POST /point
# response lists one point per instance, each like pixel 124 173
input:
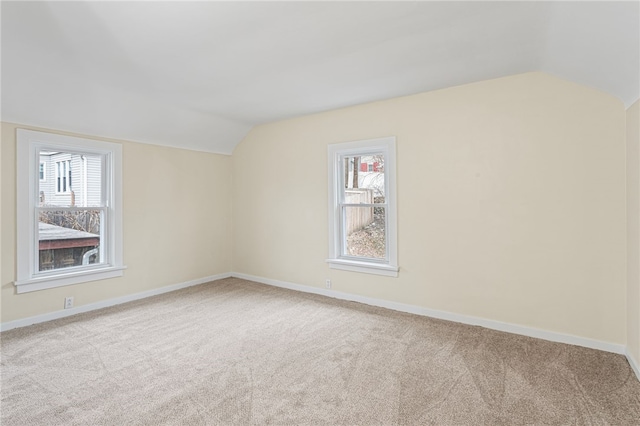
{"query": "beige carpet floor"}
pixel 236 352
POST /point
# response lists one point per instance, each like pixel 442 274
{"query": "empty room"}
pixel 308 213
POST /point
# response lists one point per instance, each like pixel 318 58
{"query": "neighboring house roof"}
pixel 199 75
pixel 54 237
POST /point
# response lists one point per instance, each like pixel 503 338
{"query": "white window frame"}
pixel 30 144
pixel 337 260
pixel 63 180
pixel 44 171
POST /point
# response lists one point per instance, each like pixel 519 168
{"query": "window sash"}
pixel 342 206
pixel 63 169
pixel 343 232
pixel 105 165
pixel 341 167
pixel 104 241
pixel 363 205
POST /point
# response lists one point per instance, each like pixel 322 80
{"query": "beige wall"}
pixel 177 220
pixel 511 199
pixel 633 231
pixel 511 202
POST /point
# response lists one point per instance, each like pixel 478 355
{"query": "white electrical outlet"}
pixel 327 283
pixel 68 302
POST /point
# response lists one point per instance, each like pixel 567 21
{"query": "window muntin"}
pixel 362 210
pixel 69 231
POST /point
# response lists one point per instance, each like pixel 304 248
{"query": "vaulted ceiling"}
pixel 199 75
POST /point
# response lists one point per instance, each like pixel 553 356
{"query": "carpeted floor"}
pixel 236 352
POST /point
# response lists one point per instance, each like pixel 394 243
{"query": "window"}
pixel 43 172
pixel 63 176
pixel 362 207
pixel 76 237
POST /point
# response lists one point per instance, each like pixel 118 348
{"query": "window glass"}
pixel 364 228
pixel 68 238
pixel 78 180
pixel 365 232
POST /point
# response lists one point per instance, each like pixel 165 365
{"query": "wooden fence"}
pixel 358 217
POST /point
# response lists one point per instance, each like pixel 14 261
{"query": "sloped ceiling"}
pixel 199 75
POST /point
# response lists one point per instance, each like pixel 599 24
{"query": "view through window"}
pixel 70 211
pixel 364 206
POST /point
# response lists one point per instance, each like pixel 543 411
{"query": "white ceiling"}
pixel 199 75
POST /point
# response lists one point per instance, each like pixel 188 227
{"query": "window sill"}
pixel 364 267
pixel 63 279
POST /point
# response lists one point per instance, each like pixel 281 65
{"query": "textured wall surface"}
pixel 511 202
pixel 511 205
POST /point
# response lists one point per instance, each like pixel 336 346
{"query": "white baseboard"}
pixel 634 364
pixel 106 303
pixel 464 319
pixel 396 306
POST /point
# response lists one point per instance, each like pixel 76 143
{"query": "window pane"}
pixel 77 180
pixel 365 232
pixel 68 238
pixel 365 172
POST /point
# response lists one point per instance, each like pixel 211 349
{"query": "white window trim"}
pixel 29 144
pixel 387 146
